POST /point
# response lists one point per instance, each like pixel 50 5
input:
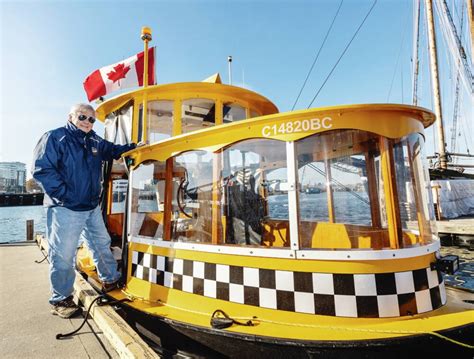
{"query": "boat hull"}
pixel 177 337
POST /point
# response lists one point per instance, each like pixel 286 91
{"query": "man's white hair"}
pixel 80 107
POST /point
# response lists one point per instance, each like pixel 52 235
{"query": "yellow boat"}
pixel 225 253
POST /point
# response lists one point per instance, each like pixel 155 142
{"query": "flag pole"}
pixel 145 36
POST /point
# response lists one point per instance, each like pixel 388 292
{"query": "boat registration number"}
pixel 312 124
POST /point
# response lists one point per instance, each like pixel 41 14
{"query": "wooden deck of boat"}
pixel 29 330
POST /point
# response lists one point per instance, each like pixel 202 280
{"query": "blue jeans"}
pixel 64 228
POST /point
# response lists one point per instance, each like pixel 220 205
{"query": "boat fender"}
pixel 224 321
pixel 447 264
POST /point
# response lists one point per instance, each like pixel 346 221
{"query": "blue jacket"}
pixel 68 164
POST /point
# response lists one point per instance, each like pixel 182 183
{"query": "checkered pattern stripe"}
pixel 342 295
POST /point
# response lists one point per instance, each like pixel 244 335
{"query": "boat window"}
pixel 192 197
pixel 159 120
pixel 254 192
pixel 313 204
pixel 197 114
pixel 118 125
pixel 253 113
pixel 147 200
pixel 119 191
pixel 233 112
pixel 420 169
pixel 340 205
pixel 349 184
pixel 411 188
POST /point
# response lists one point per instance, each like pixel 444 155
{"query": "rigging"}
pixel 343 53
pixel 454 131
pixel 317 55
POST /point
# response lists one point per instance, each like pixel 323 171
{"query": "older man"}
pixel 68 164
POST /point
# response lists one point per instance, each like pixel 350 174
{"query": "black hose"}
pixel 102 301
pixel 41 261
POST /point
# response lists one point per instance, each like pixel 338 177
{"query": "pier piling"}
pixel 30 229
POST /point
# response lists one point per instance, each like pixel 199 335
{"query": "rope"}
pixel 317 55
pixel 301 325
pixel 402 42
pixel 340 57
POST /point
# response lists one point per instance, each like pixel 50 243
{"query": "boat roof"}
pixel 188 90
pixel 390 120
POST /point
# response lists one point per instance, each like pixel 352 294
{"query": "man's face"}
pixel 84 125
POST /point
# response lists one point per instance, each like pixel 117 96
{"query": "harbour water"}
pixel 13 222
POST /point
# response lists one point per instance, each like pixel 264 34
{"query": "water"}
pixel 13 222
pixel 349 207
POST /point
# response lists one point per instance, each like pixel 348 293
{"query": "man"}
pixel 68 164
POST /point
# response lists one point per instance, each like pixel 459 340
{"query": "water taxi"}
pixel 224 253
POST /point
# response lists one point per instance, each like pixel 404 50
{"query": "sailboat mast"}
pixel 470 16
pixel 436 93
pixel 416 43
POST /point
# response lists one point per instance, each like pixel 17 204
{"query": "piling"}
pixel 30 229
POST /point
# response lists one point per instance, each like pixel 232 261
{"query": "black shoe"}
pixel 66 308
pixel 108 287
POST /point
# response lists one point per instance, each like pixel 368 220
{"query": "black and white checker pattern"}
pixel 342 295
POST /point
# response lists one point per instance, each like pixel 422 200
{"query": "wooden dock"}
pixel 28 328
pixel 459 226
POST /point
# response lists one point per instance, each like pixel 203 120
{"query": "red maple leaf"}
pixel 119 72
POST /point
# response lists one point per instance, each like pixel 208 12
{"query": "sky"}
pixel 48 48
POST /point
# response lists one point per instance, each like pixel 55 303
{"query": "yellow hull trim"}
pixel 277 324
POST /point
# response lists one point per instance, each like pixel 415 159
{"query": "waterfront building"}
pixel 12 177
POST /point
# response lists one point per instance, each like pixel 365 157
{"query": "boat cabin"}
pixel 224 172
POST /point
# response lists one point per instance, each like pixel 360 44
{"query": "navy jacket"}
pixel 68 164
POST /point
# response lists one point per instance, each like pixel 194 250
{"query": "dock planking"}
pixel 27 326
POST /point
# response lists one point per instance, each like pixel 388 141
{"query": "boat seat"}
pixel 343 236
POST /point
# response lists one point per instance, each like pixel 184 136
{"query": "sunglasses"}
pixel 84 117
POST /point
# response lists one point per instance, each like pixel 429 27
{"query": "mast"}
pixel 416 42
pixel 229 61
pixel 436 93
pixel 470 16
pixel 146 37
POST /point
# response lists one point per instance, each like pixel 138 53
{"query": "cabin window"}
pixel 147 200
pixel 233 112
pixel 254 192
pixel 118 125
pixel 253 113
pixel 197 114
pixel 119 193
pixel 411 188
pixel 192 197
pixel 339 204
pixel 159 120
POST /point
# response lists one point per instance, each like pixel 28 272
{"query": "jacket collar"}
pixel 78 133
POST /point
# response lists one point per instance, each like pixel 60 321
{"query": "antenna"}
pixel 229 60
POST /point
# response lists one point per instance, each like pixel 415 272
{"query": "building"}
pixel 12 177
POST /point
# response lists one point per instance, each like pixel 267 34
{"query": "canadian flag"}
pixel 124 74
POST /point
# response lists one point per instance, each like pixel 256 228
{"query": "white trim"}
pixel 221 249
pixel 129 206
pixel 340 255
pixel 369 254
pixel 291 169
